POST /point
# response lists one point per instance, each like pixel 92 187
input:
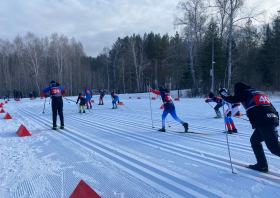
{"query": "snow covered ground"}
pixel 118 153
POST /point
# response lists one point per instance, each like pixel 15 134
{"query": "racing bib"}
pixel 56 91
pixel 261 100
pixel 168 98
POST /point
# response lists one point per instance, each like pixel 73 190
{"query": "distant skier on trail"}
pixel 169 107
pixel 219 102
pixel 263 117
pixel 34 94
pixel 102 94
pixel 83 101
pixel 115 98
pixel 88 94
pixel 56 93
pixel 233 108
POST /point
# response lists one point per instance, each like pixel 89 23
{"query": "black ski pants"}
pixel 270 137
pixel 57 106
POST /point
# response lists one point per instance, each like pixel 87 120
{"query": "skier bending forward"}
pixel 263 118
pixel 168 107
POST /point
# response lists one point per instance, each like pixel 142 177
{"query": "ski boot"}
pixel 113 107
pixel 218 116
pixel 234 131
pixel 90 107
pixel 80 111
pixel 116 106
pixel 87 107
pixel 258 167
pixel 84 111
pixel 99 104
pixel 162 129
pixel 102 103
pixel 54 128
pixel 186 126
pixel 62 127
pixel 229 132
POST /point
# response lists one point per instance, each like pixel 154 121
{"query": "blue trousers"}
pixel 114 101
pixel 172 113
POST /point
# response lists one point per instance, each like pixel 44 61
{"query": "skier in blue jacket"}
pixel 88 94
pixel 56 92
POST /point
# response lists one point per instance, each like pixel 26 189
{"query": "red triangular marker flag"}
pixel 84 191
pixel 7 116
pixel 22 131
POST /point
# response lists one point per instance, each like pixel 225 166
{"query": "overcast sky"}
pixel 96 23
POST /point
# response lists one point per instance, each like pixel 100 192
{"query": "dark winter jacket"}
pixel 83 100
pixel 259 109
pixel 166 98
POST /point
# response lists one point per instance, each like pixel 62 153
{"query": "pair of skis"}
pixel 189 132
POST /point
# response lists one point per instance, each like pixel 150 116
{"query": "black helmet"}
pixel 161 88
pixel 211 95
pixel 240 86
pixel 52 82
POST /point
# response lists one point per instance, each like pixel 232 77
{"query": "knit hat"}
pixel 85 87
pixel 240 86
pixel 52 82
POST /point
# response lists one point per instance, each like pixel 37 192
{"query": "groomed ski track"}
pixel 119 154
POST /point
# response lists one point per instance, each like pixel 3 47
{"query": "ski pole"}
pixel 67 100
pixel 44 105
pixel 210 105
pixel 151 108
pixel 242 118
pixel 227 140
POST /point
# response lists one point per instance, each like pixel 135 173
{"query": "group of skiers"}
pixel 261 113
pixel 18 94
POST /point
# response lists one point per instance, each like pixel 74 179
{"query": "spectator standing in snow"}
pixel 8 95
pixel 169 107
pixel 263 117
pixel 56 93
pixel 15 94
pixel 20 94
pixel 30 94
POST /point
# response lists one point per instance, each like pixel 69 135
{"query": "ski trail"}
pixel 150 174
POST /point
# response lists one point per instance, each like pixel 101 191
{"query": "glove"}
pixel 206 100
pixel 229 114
pixel 76 102
pixel 223 91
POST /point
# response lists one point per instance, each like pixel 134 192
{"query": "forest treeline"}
pixel 242 52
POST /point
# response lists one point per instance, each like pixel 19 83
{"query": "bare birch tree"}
pixel 193 22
